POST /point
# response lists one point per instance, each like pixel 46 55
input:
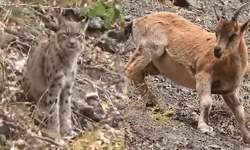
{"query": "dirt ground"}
pixel 174 126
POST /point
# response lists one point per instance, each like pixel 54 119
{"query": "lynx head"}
pixel 71 35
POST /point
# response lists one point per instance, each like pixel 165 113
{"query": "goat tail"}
pixel 128 30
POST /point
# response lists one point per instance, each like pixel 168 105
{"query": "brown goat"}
pixel 190 56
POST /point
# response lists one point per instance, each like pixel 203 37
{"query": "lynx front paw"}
pixel 67 130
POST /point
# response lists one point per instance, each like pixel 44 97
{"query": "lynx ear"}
pixel 61 20
pixel 85 23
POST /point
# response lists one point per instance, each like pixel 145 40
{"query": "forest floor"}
pixel 174 126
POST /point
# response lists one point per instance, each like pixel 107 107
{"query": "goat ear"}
pixel 245 26
pixel 61 20
pixel 85 23
pixel 218 17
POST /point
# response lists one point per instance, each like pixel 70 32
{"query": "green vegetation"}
pixel 105 9
pixel 162 117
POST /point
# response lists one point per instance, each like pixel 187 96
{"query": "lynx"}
pixel 50 72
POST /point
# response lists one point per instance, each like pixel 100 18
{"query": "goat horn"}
pixel 216 14
pixel 238 11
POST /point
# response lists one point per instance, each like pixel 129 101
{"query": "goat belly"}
pixel 179 73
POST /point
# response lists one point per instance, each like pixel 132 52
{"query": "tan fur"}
pixel 171 45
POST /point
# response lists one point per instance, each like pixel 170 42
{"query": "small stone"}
pixel 128 18
pixel 21 144
pixel 96 23
pixel 120 105
pixel 118 35
pixel 116 119
pixel 214 146
pixel 3 140
pixel 186 91
pixel 4 128
pixel 171 137
pixel 89 112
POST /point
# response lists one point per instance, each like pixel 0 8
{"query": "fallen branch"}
pixel 47 139
pixel 21 128
pixel 102 69
pixel 107 93
pixel 18 34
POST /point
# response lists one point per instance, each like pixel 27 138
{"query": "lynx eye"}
pixel 79 35
pixel 65 34
pixel 232 37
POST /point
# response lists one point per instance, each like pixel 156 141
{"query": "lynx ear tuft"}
pixel 61 21
pixel 85 24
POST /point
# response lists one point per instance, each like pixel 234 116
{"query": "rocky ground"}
pixel 174 125
pixel 97 118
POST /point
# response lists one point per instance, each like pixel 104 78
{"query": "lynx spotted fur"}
pixel 50 72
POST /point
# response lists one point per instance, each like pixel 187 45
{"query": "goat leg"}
pixel 203 86
pixel 237 108
pixel 140 65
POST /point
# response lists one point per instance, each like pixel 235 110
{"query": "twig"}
pixel 6 17
pixel 88 81
pixel 22 103
pixel 47 139
pixel 15 126
pixel 19 127
pixel 107 93
pixel 18 34
pixel 13 4
pixel 85 116
pixel 103 69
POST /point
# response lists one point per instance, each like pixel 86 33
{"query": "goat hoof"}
pixel 206 129
pixel 246 138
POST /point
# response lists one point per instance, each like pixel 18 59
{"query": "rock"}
pixel 5 39
pixel 14 148
pixel 21 144
pixel 116 119
pixel 93 33
pixel 3 140
pixel 119 105
pixel 186 91
pixel 152 103
pixel 2 86
pixel 182 141
pixel 36 143
pixel 95 28
pixel 118 35
pixel 128 18
pixel 89 112
pixel 108 44
pixel 195 116
pixel 214 146
pixel 4 128
pixel 182 3
pixel 170 137
pixel 96 23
